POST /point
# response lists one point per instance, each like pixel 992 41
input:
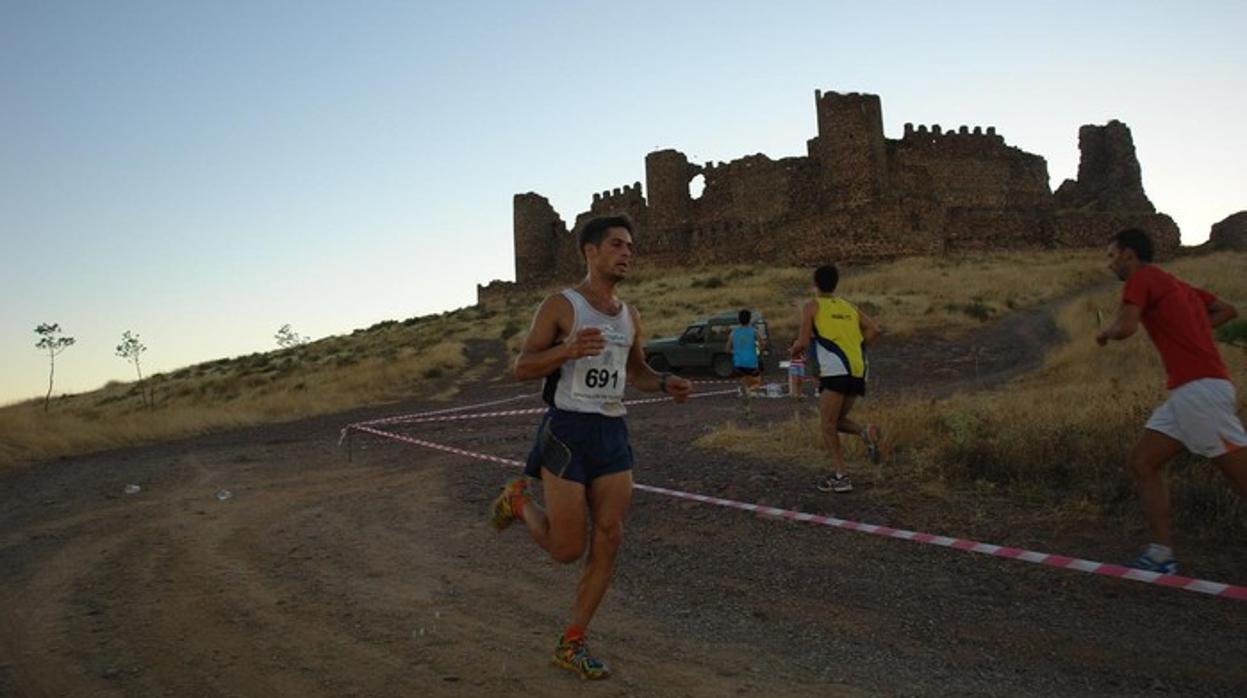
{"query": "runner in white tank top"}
pixel 583 342
pixel 594 383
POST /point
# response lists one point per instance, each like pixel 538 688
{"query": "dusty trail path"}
pixel 380 577
pixel 982 358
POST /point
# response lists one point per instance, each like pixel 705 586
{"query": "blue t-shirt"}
pixel 745 347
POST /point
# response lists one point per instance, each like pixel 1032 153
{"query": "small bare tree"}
pixel 287 337
pixel 50 339
pixel 130 349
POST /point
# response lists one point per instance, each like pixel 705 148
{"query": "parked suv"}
pixel 704 345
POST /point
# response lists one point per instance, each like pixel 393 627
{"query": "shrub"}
pixel 510 329
pixel 344 360
pixel 708 282
pixel 1233 332
pixel 978 310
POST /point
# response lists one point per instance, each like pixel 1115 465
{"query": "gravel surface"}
pixel 378 576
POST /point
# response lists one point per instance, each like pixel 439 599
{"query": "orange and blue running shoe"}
pixel 501 512
pixel 573 655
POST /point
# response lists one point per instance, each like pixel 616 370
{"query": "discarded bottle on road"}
pixel 133 489
pixel 223 495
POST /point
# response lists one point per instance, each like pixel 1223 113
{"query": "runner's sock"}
pixel 574 632
pixel 518 500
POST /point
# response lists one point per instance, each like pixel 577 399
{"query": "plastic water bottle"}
pixel 223 495
pixel 133 489
pixel 796 374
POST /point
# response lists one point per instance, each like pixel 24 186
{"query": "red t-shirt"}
pixel 1175 316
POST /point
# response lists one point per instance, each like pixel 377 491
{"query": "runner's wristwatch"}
pixel 662 380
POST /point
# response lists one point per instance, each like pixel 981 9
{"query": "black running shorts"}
pixel 845 385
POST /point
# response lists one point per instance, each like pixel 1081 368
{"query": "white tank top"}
pixel 594 383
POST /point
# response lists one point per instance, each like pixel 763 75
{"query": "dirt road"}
pixel 379 577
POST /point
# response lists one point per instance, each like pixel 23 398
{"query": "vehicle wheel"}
pixel 659 363
pixel 723 366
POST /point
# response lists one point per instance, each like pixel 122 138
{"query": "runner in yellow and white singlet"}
pixel 839 333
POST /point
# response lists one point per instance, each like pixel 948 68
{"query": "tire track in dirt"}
pixel 317 577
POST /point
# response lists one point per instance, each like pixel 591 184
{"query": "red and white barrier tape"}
pixel 441 416
pixel 1202 586
pixel 404 417
pixel 435 446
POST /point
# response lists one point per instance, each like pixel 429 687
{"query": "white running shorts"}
pixel 1201 415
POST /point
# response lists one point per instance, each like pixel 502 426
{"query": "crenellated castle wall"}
pixel 855 195
pixel 967 168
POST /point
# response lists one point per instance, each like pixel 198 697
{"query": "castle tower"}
pixel 1109 176
pixel 538 232
pixel 850 146
pixel 667 174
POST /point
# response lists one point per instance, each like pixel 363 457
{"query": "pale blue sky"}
pixel 201 173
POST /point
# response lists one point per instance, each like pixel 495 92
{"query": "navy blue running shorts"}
pixel 579 446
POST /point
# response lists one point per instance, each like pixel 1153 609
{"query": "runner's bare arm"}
pixel 870 329
pixel 1220 312
pixel 547 345
pixel 1126 324
pixel 805 330
pixel 646 378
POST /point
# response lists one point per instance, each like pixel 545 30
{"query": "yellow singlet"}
pixel 838 338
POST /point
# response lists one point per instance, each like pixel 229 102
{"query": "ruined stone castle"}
pixel 855 195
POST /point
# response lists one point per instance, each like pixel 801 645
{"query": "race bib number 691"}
pixel 603 377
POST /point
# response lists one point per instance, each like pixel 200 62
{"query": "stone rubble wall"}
pixel 856 195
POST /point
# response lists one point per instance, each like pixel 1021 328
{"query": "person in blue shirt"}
pixel 743 343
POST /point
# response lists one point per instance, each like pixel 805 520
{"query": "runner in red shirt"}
pixel 1199 414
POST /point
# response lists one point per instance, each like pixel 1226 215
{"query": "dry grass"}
pixel 400 359
pixel 389 361
pixel 945 295
pixel 1056 436
pixel 397 359
pixel 314 379
pixel 942 295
